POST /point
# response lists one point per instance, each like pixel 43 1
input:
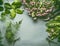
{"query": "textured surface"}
pixel 32 33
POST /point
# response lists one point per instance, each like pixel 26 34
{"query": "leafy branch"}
pixel 53 28
pixel 10 9
pixel 10 34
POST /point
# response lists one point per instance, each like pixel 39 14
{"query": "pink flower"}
pixel 34 9
pixel 32 3
pixel 47 11
pixel 44 14
pixel 38 14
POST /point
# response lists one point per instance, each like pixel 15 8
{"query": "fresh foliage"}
pixel 11 32
pixel 53 28
pixel 11 9
pixel 57 3
pixel 1 2
pixel 1 8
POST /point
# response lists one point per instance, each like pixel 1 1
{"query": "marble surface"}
pixel 31 33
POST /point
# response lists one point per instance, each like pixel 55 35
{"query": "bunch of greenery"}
pixel 11 32
pixel 10 9
pixel 38 9
pixel 53 28
pixel 56 3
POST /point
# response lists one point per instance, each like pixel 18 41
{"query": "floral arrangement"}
pixel 37 9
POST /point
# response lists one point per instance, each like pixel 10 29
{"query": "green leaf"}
pixel 9 37
pixel 7 11
pixel 16 5
pixel 20 22
pixel 57 3
pixel 33 14
pixel 53 28
pixel 57 18
pixel 1 2
pixel 1 45
pixel 7 5
pixel 19 11
pixel 17 25
pixel 1 8
pixel 3 16
pixel 12 13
